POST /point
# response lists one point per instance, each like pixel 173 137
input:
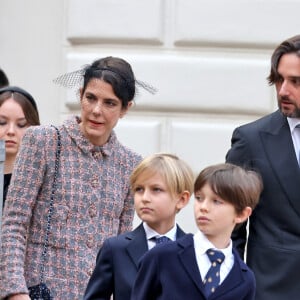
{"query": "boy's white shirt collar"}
pixel 201 244
pixel 150 233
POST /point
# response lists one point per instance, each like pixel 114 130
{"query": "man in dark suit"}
pixel 271 146
pixel 162 185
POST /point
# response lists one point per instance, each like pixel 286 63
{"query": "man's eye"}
pixel 296 81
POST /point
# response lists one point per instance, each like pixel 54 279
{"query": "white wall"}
pixel 208 59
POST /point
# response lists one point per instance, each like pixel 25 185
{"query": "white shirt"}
pixel 295 135
pixel 201 245
pixel 150 233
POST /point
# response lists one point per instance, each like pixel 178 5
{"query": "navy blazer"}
pixel 117 265
pixel 170 272
pixel 273 251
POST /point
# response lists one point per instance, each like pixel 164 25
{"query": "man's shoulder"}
pixel 263 122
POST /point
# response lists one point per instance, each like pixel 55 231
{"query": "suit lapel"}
pixel 280 152
pixel 179 232
pixel 233 280
pixel 137 245
pixel 188 259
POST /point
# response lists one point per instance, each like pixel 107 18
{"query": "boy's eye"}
pixel 138 189
pixel 157 189
pixel 218 202
pixel 198 198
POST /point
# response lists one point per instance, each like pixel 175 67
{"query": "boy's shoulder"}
pixel 137 233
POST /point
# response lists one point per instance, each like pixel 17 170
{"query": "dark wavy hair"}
pixel 291 45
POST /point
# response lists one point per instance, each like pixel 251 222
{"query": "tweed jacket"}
pixel 92 202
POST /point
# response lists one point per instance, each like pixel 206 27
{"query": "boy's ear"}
pixel 183 200
pixel 243 216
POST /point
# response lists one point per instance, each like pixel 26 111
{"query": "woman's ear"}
pixel 243 216
pixel 125 110
pixel 183 200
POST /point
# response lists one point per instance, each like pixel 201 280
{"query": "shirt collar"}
pixel 150 233
pixel 293 122
pixel 202 244
pixel 72 127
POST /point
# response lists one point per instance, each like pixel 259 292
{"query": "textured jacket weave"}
pixel 91 203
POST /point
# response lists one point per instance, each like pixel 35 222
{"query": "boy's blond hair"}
pixel 176 172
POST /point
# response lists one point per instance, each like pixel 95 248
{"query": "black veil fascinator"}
pixel 121 78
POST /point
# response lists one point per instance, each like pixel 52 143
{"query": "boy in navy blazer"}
pixel 162 185
pixel 225 196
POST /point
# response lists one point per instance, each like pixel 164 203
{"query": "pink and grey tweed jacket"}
pixel 92 202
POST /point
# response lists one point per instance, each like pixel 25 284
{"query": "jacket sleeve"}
pixel 101 283
pixel 23 190
pixel 239 154
pixel 126 217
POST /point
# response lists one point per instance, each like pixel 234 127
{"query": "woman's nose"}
pixel 11 129
pixel 98 108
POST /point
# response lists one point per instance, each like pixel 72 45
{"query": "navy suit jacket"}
pixel 273 249
pixel 117 265
pixel 170 272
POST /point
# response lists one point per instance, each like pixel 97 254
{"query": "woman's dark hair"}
pixel 28 106
pixel 3 79
pixel 291 45
pixel 115 71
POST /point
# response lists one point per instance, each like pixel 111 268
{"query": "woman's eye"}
pixel 111 103
pixel 90 97
pixel 23 125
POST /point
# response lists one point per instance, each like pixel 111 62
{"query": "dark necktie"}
pixel 212 278
pixel 161 240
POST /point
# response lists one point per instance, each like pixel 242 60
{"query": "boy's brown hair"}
pixel 232 183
